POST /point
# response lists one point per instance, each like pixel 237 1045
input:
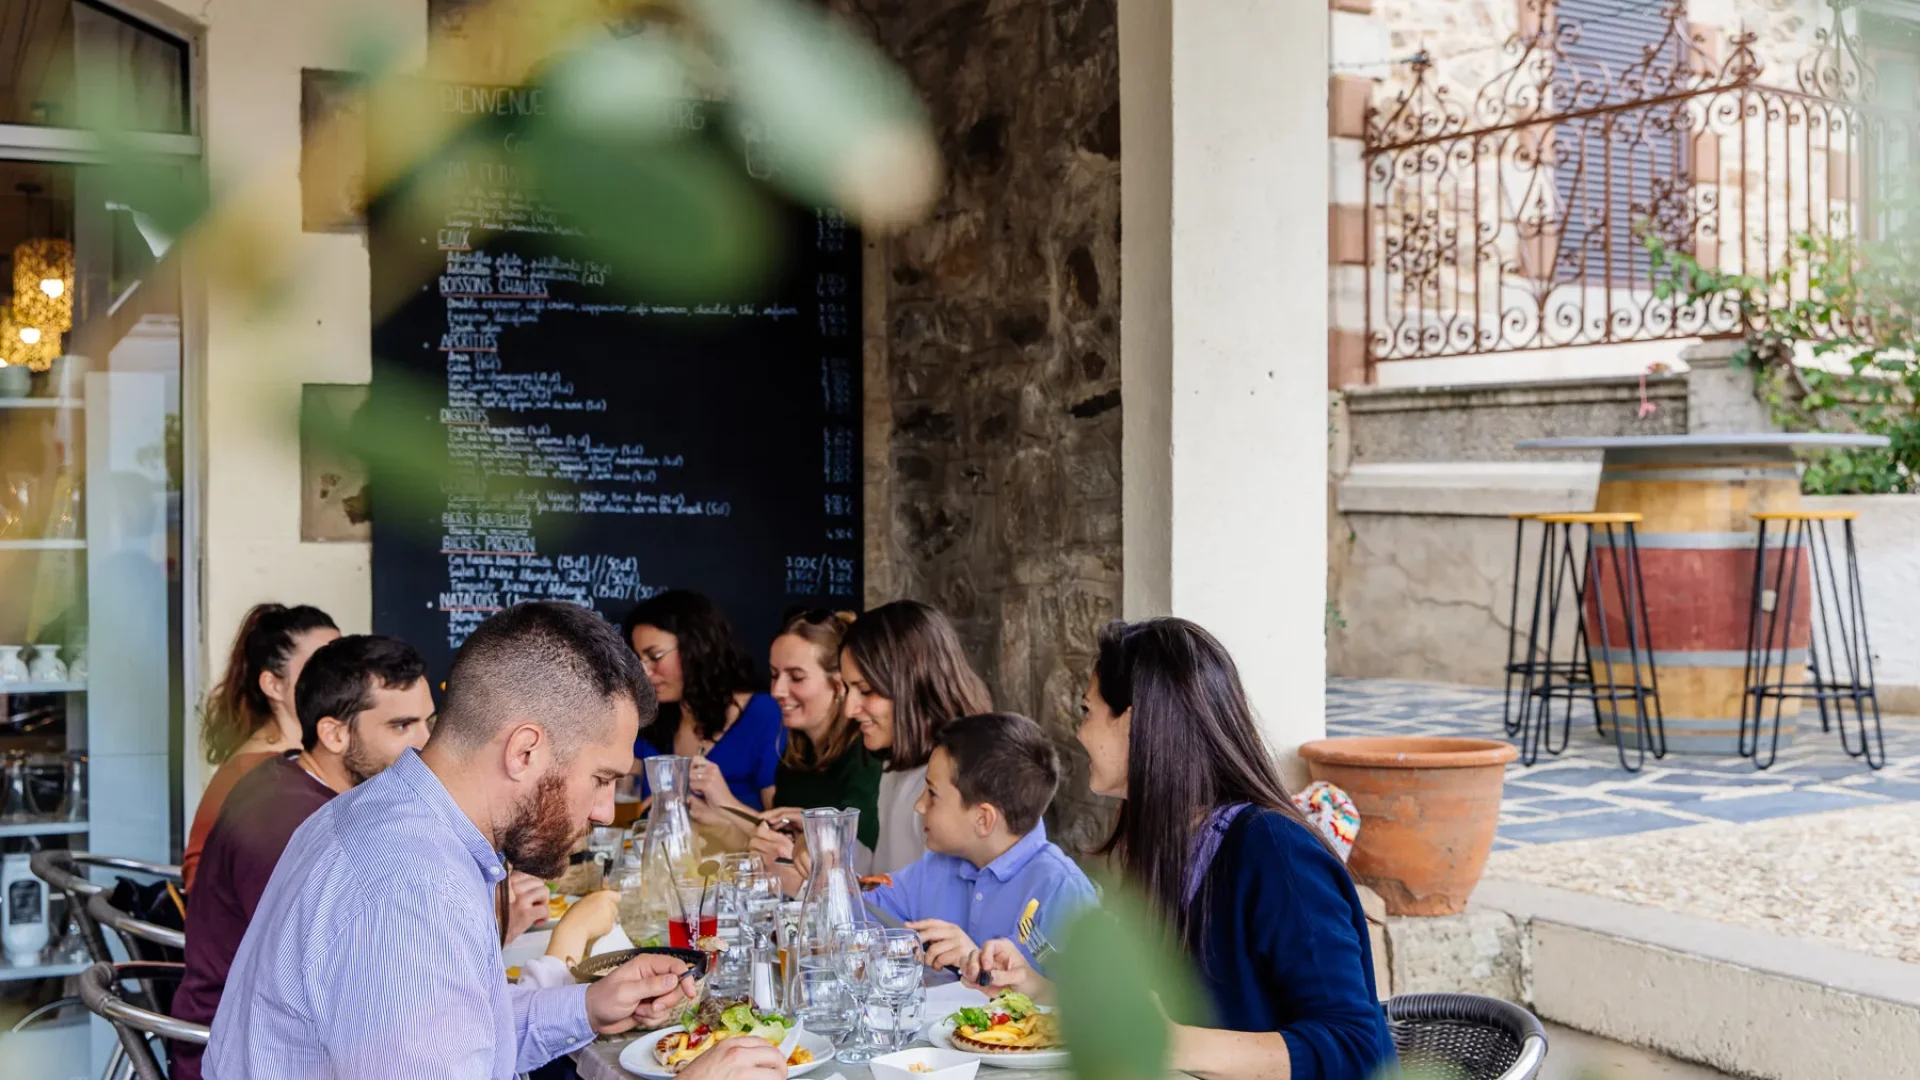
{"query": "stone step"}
pixel 1739 1000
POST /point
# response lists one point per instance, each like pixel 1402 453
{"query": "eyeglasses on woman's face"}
pixel 651 658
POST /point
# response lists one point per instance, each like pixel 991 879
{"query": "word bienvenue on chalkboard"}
pixel 600 447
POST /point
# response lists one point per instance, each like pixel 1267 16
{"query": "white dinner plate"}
pixel 938 1031
pixel 638 1059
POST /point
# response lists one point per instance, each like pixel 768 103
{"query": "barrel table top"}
pixel 1680 447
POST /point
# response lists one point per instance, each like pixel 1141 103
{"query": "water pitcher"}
pixel 671 848
pixel 831 895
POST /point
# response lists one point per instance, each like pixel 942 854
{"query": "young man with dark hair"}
pixel 376 952
pixel 362 702
pixel 989 781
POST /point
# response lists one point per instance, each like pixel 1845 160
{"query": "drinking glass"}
pixel 822 1004
pixel 856 948
pixel 743 886
pixel 693 914
pixel 898 979
pixel 605 843
pixel 631 885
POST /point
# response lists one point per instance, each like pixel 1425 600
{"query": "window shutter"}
pixel 1606 164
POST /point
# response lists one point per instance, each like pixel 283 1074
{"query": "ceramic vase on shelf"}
pixel 77 667
pixel 12 668
pixel 46 666
pixel 23 910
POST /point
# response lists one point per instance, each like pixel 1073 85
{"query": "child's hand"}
pixel 1000 965
pixel 942 944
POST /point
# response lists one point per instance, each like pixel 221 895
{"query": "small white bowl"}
pixel 941 1063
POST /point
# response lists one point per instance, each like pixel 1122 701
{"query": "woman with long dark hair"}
pixel 1249 889
pixel 713 708
pixel 906 677
pixel 249 716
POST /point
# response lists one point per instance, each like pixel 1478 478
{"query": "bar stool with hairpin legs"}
pixel 1800 611
pixel 1586 573
pixel 1526 665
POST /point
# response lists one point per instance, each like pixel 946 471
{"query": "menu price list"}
pixel 600 447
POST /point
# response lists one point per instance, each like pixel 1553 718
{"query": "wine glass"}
pixel 855 953
pixel 822 1004
pixel 899 982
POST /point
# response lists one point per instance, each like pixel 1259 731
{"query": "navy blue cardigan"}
pixel 1285 949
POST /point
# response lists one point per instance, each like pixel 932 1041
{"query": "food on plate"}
pixel 920 1066
pixel 1009 1024
pixel 557 906
pixel 875 881
pixel 711 1022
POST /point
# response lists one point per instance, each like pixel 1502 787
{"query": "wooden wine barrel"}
pixel 1697 549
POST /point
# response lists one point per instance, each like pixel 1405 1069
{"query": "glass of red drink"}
pixel 696 906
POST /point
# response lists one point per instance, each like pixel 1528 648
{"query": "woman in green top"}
pixel 824 763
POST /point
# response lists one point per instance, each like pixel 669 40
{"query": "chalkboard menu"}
pixel 597 447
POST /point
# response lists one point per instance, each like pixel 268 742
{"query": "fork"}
pixel 1030 935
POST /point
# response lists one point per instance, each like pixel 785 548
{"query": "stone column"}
pixel 1720 396
pixel 1224 189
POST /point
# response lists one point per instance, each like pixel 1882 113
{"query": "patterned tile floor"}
pixel 1585 794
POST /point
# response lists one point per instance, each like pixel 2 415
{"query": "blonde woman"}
pixel 824 763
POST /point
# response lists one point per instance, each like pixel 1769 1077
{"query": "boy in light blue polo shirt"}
pixel 990 778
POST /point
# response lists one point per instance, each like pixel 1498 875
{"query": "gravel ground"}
pixel 1848 878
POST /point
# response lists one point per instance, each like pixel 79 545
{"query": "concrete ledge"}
pixel 1594 391
pixel 1737 999
pixel 1468 488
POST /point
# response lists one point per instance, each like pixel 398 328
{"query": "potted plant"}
pixel 1428 810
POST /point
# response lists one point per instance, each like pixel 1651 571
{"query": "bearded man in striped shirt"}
pixel 375 952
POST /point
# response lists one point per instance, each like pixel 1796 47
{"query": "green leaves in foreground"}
pixel 1119 981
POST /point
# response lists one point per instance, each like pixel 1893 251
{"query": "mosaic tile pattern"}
pixel 1584 793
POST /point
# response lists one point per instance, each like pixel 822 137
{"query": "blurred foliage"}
pixel 669 129
pixel 1852 303
pixel 1119 980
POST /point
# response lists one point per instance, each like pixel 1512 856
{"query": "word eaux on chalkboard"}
pixel 592 443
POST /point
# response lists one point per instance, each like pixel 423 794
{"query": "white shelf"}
pixel 43 545
pixel 73 404
pixel 61 827
pixel 10 972
pixel 29 687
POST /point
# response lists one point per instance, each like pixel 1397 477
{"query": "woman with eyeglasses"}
pixel 825 763
pixel 712 707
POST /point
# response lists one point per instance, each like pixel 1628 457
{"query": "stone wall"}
pixel 993 420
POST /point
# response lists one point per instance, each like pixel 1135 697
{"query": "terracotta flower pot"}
pixel 1428 808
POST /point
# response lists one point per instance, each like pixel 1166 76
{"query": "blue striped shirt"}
pixel 375 952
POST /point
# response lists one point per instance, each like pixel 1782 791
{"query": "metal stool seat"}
pixel 1813 618
pixel 1465 1037
pixel 1609 611
pixel 100 990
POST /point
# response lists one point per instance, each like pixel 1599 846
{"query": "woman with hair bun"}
pixel 249 716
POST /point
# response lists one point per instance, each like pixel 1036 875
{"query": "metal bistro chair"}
pixel 136 1027
pixel 1465 1037
pixel 66 872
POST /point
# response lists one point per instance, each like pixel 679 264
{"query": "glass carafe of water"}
pixel 670 849
pixel 831 896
